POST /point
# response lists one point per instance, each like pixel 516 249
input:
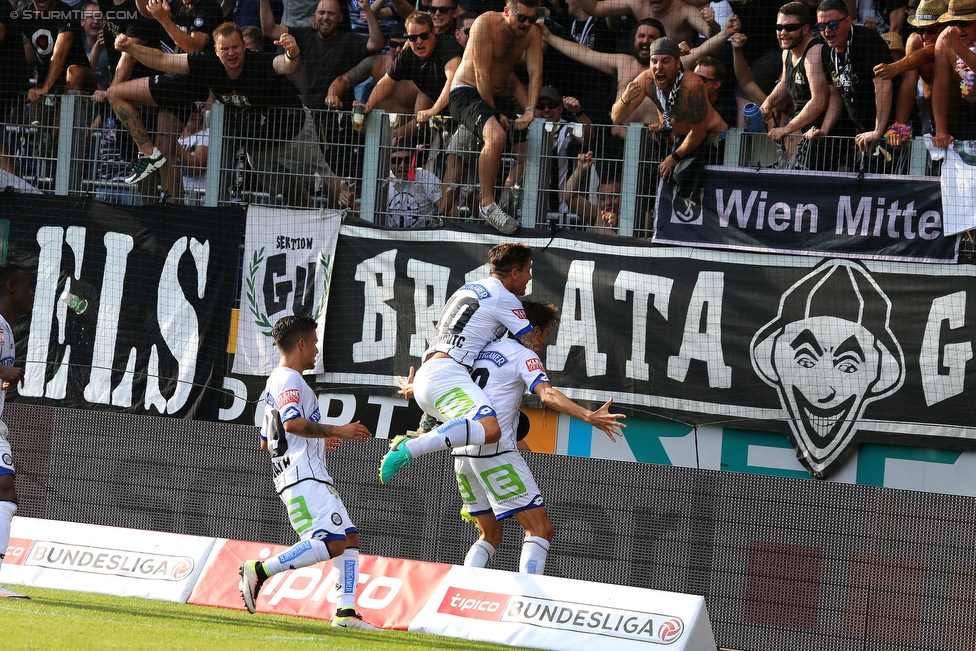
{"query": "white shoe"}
pixel 353 621
pixel 146 165
pixel 7 593
pixel 503 223
pixel 250 585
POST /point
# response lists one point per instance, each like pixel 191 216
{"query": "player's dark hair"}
pixel 541 315
pixel 507 256
pixel 833 5
pixel 653 22
pixel 8 272
pixel 712 62
pixel 798 9
pixel 289 329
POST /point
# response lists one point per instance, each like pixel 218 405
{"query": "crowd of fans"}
pixel 467 78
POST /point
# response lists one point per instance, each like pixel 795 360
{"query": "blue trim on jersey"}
pixel 493 356
pixel 480 290
pixel 539 379
pixel 290 412
pixel 518 335
pixel 533 505
pixel 6 471
pixel 483 411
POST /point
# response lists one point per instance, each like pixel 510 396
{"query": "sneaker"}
pixel 250 584
pixel 7 593
pixel 498 218
pixel 398 457
pixel 145 166
pixel 353 621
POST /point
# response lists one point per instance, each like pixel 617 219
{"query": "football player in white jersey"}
pixel 16 300
pixel 297 441
pixel 476 315
pixel 494 480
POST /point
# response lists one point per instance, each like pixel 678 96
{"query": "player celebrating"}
pixel 477 314
pixel 507 369
pixel 291 432
pixel 16 300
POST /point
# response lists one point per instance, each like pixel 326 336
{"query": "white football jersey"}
pixel 505 371
pixel 293 458
pixel 477 314
pixel 7 353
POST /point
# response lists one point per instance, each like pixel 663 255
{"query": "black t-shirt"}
pixel 204 16
pixel 255 98
pixel 866 50
pixel 325 59
pixel 14 75
pixel 43 30
pixel 758 22
pixel 125 19
pixel 592 88
pixel 427 73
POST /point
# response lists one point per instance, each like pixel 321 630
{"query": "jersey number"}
pixel 456 314
pixel 480 377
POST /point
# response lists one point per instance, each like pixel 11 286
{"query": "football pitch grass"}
pixel 81 621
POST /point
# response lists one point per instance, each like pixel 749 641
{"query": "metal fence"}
pixel 394 173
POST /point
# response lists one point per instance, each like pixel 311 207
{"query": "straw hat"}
pixel 894 41
pixel 927 13
pixel 959 10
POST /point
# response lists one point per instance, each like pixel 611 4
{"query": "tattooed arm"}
pixel 310 429
pixel 691 108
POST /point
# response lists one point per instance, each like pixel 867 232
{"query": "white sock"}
pixel 485 209
pixel 533 558
pixel 7 510
pixel 479 555
pixel 452 434
pixel 348 579
pixel 301 554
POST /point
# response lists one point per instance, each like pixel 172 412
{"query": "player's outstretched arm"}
pixel 309 429
pixel 601 418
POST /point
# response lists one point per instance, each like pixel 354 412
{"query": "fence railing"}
pixel 73 146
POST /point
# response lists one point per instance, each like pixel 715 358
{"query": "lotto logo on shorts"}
pixel 473 604
pixel 288 396
pixel 454 403
pixel 534 364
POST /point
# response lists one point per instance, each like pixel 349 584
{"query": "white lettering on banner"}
pixel 702 338
pixel 885 222
pixel 49 238
pixel 348 402
pixel 943 367
pixel 578 324
pixel 593 619
pixel 99 387
pixel 385 418
pixel 429 296
pixel 641 286
pixel 238 389
pixel 779 216
pixel 111 562
pixel 379 319
pixel 312 585
pixel 372 596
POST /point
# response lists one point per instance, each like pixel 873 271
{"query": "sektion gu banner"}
pixel 159 284
pixel 287 270
pixel 832 352
pixel 876 218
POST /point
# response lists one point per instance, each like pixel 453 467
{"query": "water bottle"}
pixel 76 303
pixel 754 121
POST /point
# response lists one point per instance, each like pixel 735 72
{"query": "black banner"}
pixel 874 218
pixel 159 283
pixel 830 351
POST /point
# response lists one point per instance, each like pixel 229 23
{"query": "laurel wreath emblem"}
pixel 260 318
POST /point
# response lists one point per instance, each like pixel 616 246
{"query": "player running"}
pixel 506 370
pixel 291 432
pixel 477 314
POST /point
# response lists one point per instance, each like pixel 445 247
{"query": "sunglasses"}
pixel 531 18
pixel 832 25
pixel 439 10
pixel 544 106
pixel 466 31
pixel 792 27
pixel 422 36
pixel 710 80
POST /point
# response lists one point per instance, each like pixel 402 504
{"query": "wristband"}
pixel 899 129
pixel 529 108
pixel 676 156
pixel 292 58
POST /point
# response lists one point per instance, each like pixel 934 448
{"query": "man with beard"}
pixel 680 19
pixel 685 111
pixel 627 67
pixel 848 60
pixel 917 65
pixel 802 79
pixel 498 40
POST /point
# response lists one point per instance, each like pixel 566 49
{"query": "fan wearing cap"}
pixel 953 99
pixel 917 65
pixel 679 95
pixel 413 192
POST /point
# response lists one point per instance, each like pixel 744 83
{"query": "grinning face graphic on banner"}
pixel 829 353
